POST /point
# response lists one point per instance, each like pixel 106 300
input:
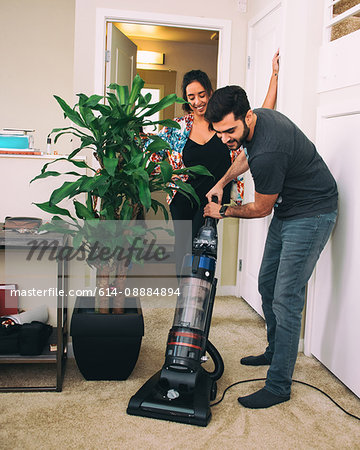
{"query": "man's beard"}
pixel 243 137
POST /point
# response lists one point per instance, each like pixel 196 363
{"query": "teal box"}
pixel 14 142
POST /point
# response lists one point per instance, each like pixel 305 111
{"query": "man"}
pixel 292 180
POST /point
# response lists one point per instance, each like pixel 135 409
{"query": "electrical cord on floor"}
pixel 294 381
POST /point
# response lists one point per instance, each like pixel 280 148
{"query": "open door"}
pixel 264 40
pixel 120 62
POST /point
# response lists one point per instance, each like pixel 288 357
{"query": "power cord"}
pixel 294 381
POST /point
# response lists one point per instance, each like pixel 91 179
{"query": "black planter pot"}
pixel 106 346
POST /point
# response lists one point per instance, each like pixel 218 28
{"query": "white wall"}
pixel 48 48
pixel 85 27
pixel 52 50
pixel 36 47
pixel 299 57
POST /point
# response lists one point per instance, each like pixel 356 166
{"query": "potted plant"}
pixel 116 194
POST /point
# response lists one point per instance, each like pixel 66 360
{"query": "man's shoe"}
pixel 260 360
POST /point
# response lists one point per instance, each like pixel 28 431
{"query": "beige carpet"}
pixel 92 415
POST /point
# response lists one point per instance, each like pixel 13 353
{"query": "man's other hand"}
pixel 212 210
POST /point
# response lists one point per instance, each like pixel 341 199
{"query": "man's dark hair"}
pixel 226 100
pixel 195 75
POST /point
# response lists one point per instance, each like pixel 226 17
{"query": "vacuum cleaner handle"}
pixel 210 221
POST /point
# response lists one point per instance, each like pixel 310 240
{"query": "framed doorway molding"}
pixel 104 15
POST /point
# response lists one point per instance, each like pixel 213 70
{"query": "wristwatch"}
pixel 222 210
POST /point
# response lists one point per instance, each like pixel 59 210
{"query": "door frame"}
pixel 104 15
pixel 251 24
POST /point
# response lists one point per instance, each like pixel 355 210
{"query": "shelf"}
pixel 12 240
pixel 44 156
pixel 46 356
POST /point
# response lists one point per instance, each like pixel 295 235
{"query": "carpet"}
pixel 92 414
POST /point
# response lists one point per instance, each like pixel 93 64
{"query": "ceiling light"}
pixel 145 57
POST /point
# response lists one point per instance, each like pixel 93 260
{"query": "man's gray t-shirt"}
pixel 284 161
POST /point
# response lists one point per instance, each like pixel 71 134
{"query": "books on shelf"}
pixel 4 151
pixel 16 131
pixel 8 299
pixel 17 141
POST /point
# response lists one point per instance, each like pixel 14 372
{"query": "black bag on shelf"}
pixel 28 339
pixel 33 337
pixel 9 338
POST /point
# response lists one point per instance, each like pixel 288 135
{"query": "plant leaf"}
pixel 70 113
pixel 89 184
pixel 187 188
pixel 57 130
pixel 45 175
pixel 67 132
pixel 198 170
pixel 180 100
pixel 80 164
pixel 110 165
pixel 166 171
pixel 126 211
pixel 155 204
pixel 167 123
pixel 157 144
pixel 144 193
pixel 122 92
pixel 54 174
pixel 82 212
pixel 162 104
pixel 93 100
pixel 68 189
pixel 77 240
pixel 53 209
pixel 136 87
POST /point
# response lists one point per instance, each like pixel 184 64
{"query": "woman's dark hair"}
pixel 195 75
pixel 226 100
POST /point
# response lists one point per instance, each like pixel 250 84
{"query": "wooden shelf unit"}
pixel 14 240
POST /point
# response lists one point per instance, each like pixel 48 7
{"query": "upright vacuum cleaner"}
pixel 182 390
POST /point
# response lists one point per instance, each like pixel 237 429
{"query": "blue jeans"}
pixel 291 251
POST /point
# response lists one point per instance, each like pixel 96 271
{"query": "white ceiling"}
pixel 163 33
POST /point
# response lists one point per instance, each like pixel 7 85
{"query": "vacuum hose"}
pixel 218 361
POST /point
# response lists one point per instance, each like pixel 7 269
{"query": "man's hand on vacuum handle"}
pixel 216 191
pixel 239 166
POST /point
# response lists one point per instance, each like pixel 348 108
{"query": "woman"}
pixel 194 143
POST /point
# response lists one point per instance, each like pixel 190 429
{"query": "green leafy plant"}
pixel 120 188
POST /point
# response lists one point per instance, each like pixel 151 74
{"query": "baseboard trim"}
pixel 225 291
pixel 70 351
pixel 301 345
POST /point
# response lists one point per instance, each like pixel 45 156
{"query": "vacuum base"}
pixel 192 408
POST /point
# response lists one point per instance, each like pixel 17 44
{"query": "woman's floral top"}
pixel 177 138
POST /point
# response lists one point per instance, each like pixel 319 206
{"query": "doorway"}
pixel 179 50
pixel 222 27
pixel 163 81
